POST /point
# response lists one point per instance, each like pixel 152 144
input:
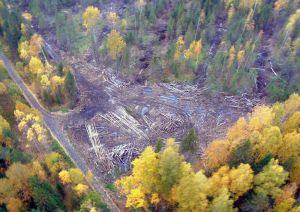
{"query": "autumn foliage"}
pixel 90 17
pixel 115 44
pixel 257 163
pixel 45 180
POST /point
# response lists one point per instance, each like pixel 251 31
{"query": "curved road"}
pixel 57 132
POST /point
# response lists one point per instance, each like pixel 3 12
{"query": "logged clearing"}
pixel 128 116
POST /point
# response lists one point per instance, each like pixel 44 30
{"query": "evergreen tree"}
pixel 190 34
pixel 190 141
pixel 241 154
pixel 11 28
pixel 158 145
pixel 70 87
pixel 45 197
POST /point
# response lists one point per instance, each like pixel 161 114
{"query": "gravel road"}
pixel 56 130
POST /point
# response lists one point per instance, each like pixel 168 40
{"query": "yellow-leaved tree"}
pixel 90 17
pixel 64 177
pixel 295 172
pixel 236 180
pixel 218 180
pixel 23 50
pixel 237 133
pixel 269 180
pixel 292 124
pixel 3 88
pixel 191 192
pixel 115 44
pixel 14 204
pixel 81 189
pixel 144 178
pixel 271 142
pixel 179 48
pixel 54 162
pixel 136 198
pixel 36 66
pixel 76 176
pixel 45 81
pixel 231 12
pixel 241 180
pixel 113 18
pixel 38 170
pixel 194 50
pixel 216 154
pixel 292 21
pixel 155 176
pixel 231 56
pixel 222 202
pixel 35 45
pixel 290 147
pixel 3 125
pixel 292 104
pixel 18 175
pixel 285 201
pixel 30 123
pixel 27 16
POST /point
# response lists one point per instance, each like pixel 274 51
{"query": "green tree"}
pixel 243 153
pixel 34 7
pixel 11 27
pixel 257 167
pixel 190 141
pixel 95 200
pixel 45 197
pixel 67 31
pixel 158 145
pixel 255 202
pixel 171 167
pixel 70 87
pixel 190 34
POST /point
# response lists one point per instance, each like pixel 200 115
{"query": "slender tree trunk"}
pixel 94 46
pixel 118 65
pixel 197 27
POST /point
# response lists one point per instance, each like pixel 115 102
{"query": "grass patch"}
pixel 111 187
pixel 64 110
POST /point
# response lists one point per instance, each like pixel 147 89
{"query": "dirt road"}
pixel 52 123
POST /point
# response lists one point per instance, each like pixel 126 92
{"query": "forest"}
pixel 140 105
pixel 36 173
pixel 255 167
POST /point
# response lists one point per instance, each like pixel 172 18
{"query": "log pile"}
pixel 114 80
pixel 103 158
pixel 123 154
pixel 107 160
pixel 244 101
pixel 123 120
